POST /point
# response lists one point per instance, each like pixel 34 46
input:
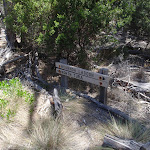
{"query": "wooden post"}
pixel 64 79
pixel 103 90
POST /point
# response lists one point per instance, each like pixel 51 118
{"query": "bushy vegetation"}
pixel 11 92
pixel 141 17
pixel 67 27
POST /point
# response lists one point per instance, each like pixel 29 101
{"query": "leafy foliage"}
pixel 12 90
pixel 66 27
pixel 141 17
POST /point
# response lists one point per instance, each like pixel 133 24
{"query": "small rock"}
pixel 68 90
pixel 67 100
pixel 73 96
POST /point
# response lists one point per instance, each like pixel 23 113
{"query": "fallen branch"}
pixel 145 146
pixel 13 60
pixel 138 89
pixel 144 96
pixel 119 144
pixel 113 111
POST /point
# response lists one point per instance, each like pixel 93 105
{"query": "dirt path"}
pixel 87 118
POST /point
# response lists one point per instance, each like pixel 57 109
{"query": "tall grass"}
pixel 24 132
pixel 127 130
pixel 46 135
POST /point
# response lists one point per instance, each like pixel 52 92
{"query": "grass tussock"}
pixel 21 132
pixel 54 134
pixel 47 134
pixel 127 130
pixel 128 103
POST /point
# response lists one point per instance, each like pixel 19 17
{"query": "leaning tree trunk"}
pixel 10 35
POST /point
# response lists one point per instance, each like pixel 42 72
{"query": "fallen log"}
pixel 113 111
pixel 145 146
pixel 140 90
pixel 144 97
pixel 119 144
pixel 13 60
pixel 136 86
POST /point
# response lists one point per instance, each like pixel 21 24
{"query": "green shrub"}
pixel 12 91
pixel 66 27
pixel 14 88
pixel 4 112
pixel 141 17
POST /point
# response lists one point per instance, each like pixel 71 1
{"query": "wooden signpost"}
pixel 99 79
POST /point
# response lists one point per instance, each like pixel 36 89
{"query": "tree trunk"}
pixel 10 35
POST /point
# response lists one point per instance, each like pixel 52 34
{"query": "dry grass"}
pixel 47 134
pixel 140 76
pixel 12 132
pixel 23 131
pixel 52 135
pixel 78 129
pixel 135 108
pixel 127 130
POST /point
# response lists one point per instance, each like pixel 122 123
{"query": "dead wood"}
pixel 119 144
pixel 54 100
pixel 15 59
pixel 145 146
pixel 38 75
pixel 144 97
pixel 57 104
pixel 5 54
pixel 113 111
pixel 139 90
pixel 31 66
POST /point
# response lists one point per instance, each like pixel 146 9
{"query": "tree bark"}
pixel 10 35
pixel 145 146
pixel 119 144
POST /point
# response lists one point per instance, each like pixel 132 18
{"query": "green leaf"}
pixel 56 24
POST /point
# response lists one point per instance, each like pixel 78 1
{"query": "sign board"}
pixel 82 74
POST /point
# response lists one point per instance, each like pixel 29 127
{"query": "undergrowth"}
pixel 11 93
pixel 127 130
